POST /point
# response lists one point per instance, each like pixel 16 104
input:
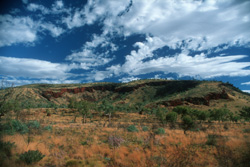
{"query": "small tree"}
pixel 202 115
pixel 108 108
pixel 161 114
pixel 187 123
pixel 73 105
pixel 182 110
pixel 221 114
pixel 84 109
pixel 245 113
pixel 171 117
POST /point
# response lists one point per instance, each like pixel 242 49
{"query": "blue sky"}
pixel 65 41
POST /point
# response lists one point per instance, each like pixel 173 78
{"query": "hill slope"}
pixel 168 93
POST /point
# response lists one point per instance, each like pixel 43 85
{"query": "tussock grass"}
pixel 77 144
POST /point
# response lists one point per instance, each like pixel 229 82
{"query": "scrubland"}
pixel 65 142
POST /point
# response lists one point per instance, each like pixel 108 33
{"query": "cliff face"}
pixel 197 100
pixel 162 89
pixel 48 94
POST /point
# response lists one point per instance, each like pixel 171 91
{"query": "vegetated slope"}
pixel 148 92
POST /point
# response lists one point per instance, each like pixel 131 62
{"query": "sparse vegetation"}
pixel 132 128
pixel 31 156
pixel 160 131
pixel 215 133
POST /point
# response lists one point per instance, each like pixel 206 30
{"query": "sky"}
pixel 65 41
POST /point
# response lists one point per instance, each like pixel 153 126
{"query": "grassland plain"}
pixel 69 143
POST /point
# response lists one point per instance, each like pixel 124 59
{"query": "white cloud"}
pixel 35 7
pixel 98 75
pixel 17 30
pixel 20 81
pixel 55 31
pixel 128 79
pixel 245 83
pixel 248 91
pixel 33 68
pixel 56 8
pixel 74 20
pixel 198 66
pixel 88 57
pixel 186 25
pixel 201 24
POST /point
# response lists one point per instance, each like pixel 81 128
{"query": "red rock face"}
pixel 51 94
pixel 198 100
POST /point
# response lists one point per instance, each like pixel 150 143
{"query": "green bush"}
pixel 48 128
pixel 245 113
pixel 145 128
pixel 32 156
pixel 171 117
pixel 246 130
pixel 211 140
pixel 132 128
pixel 160 131
pixel 33 124
pixel 14 126
pixel 5 150
pixel 187 123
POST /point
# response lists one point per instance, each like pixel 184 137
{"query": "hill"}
pixel 149 93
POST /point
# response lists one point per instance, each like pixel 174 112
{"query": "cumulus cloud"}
pixel 76 19
pixel 15 30
pixel 33 68
pixel 199 24
pixel 89 57
pixel 56 8
pixel 54 30
pixel 36 7
pixel 186 25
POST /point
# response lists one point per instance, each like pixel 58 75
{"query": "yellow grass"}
pixel 87 144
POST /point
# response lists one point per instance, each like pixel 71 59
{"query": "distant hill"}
pixel 167 93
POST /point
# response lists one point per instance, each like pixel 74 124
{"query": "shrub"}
pixel 132 128
pixel 33 124
pixel 5 150
pixel 245 113
pixel 14 126
pixel 246 130
pixel 84 143
pixel 48 128
pixel 160 131
pixel 187 123
pixel 145 128
pixel 221 114
pixel 211 140
pixel 171 117
pixel 182 110
pixel 32 156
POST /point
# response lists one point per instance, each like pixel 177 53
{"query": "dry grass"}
pixel 77 144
